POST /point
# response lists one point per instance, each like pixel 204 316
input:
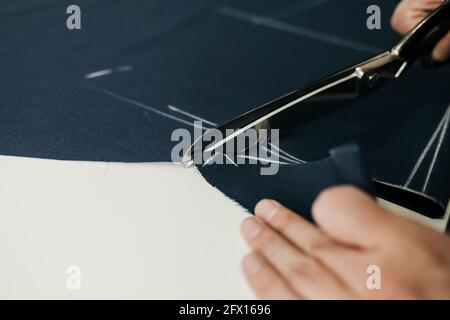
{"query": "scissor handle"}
pixel 424 36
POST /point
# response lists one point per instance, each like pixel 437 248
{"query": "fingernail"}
pixel 251 228
pixel 266 209
pixel 252 264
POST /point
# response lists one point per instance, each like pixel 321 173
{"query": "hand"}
pixel 293 259
pixel 410 12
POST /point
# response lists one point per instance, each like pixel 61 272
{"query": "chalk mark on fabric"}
pixel 295 29
pixel 231 160
pixel 287 157
pixel 210 159
pixel 143 106
pixel 97 74
pixel 280 156
pixel 428 147
pixel 297 8
pixel 104 72
pixel 262 159
pixel 281 151
pixel 124 68
pixel 436 153
pixel 190 115
pixel 214 156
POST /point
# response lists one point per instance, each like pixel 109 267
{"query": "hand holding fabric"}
pixel 294 259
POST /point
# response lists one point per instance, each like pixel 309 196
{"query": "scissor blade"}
pixel 284 113
pixel 304 105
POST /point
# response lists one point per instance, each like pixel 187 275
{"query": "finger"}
pixel 426 5
pixel 265 282
pixel 304 274
pixel 400 20
pixel 296 229
pixel 282 254
pixel 301 233
pixel 351 217
pixel 348 265
pixel 441 52
pixel 404 22
pixel 409 13
pixel 345 263
pixel 351 266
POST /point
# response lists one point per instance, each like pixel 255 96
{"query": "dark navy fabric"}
pixel 296 186
pixel 215 59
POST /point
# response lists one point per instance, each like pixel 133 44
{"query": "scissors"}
pixel 333 92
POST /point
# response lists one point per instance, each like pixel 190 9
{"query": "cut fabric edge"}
pixel 352 168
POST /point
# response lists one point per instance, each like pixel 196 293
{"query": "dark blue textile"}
pixel 215 59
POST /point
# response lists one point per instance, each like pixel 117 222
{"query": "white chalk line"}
pixel 264 148
pixel 104 72
pixel 210 159
pixel 190 115
pixel 290 161
pixel 295 29
pixel 281 156
pixel 287 157
pixel 231 160
pixel 144 106
pixel 287 154
pixel 124 68
pixel 297 8
pixel 426 149
pixel 262 159
pixel 436 153
pixel 214 156
pixel 97 74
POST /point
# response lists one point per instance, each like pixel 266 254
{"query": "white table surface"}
pixel 141 231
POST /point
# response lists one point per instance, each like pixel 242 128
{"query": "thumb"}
pixel 442 50
pixel 350 216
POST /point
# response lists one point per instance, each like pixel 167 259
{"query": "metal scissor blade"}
pixel 286 112
pixel 329 94
pixel 304 105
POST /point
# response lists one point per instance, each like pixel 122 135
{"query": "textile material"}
pixel 296 186
pixel 116 89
